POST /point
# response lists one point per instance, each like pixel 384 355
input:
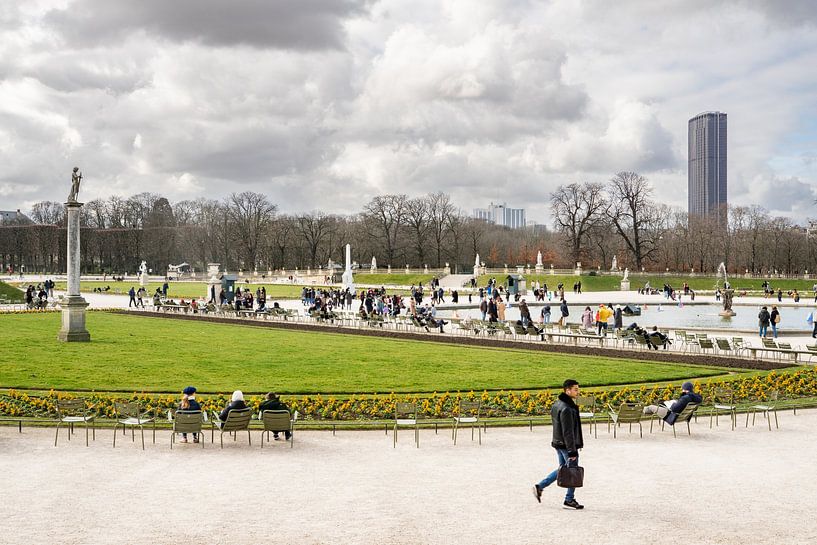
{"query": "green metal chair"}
pixel 587 410
pixel 186 422
pixel 406 415
pixel 685 415
pixel 468 413
pixel 276 422
pixel 723 399
pixel 74 411
pixel 627 413
pixel 237 420
pixel 130 415
pixel 769 407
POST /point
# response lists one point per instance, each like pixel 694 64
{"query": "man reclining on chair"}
pixel 670 410
pixel 655 339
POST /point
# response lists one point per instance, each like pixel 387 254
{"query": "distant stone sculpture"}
pixel 726 298
pixel 626 275
pixel 539 260
pixel 615 264
pixel 76 179
pixel 143 273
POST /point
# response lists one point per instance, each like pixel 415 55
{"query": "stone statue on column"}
pixel 76 179
pixel 73 305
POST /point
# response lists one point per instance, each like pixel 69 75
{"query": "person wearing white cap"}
pixel 236 404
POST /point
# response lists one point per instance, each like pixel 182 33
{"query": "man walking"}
pixel 132 295
pixel 567 440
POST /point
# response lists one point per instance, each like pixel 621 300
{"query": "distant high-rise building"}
pixel 707 165
pixel 500 214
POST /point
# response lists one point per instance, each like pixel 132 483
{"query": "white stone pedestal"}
pixel 625 285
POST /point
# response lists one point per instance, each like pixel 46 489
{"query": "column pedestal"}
pixel 73 305
pixel 73 320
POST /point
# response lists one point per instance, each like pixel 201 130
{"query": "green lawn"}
pixel 11 293
pixel 393 279
pixel 612 283
pixel 134 353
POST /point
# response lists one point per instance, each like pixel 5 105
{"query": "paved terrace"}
pixel 719 486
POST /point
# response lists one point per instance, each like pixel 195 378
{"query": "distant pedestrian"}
pixel 567 440
pixel 165 287
pixel 774 319
pixel 587 318
pixel 565 313
pixel 617 318
pixel 779 295
pixel 132 294
pixel 763 319
pixel 546 314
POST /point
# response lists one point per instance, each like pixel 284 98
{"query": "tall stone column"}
pixel 74 305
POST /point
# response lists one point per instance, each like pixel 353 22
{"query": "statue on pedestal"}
pixel 76 179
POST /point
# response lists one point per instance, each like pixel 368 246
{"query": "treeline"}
pixel 592 223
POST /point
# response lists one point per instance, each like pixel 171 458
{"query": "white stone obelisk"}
pixel 74 305
pixel 348 279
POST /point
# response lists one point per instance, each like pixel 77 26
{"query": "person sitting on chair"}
pixel 670 410
pixel 656 339
pixel 236 404
pixel 274 403
pixel 189 404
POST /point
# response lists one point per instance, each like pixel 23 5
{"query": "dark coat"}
pixel 234 405
pixel 567 426
pixel 773 316
pixel 683 401
pixel 564 310
pixel 764 318
pixel 617 319
pixel 273 405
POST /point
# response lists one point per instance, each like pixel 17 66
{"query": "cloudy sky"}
pixel 322 104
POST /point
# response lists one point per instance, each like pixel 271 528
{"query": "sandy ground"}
pixel 717 486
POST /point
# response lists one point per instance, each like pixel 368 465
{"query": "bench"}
pixel 796 353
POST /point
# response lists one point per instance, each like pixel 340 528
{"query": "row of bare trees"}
pixel 246 231
pixel 596 221
pixel 593 222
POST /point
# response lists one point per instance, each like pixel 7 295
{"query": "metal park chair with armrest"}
pixel 74 411
pixel 237 420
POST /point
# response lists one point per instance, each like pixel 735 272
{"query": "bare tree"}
pixel 47 213
pixel 313 228
pixel 634 215
pixel 577 209
pixel 417 222
pixel 384 217
pixel 440 211
pixel 250 215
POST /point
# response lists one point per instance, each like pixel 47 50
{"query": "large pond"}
pixel 672 316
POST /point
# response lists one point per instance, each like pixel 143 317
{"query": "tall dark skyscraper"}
pixel 707 165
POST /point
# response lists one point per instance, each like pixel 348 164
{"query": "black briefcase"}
pixel 570 476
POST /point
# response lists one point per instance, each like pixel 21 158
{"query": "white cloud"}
pixel 328 103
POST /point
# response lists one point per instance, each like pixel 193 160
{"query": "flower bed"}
pixel 791 385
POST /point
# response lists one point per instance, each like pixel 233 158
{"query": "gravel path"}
pixel 717 486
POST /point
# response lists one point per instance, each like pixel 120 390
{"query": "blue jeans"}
pixel 763 329
pixel 550 479
pixel 774 330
